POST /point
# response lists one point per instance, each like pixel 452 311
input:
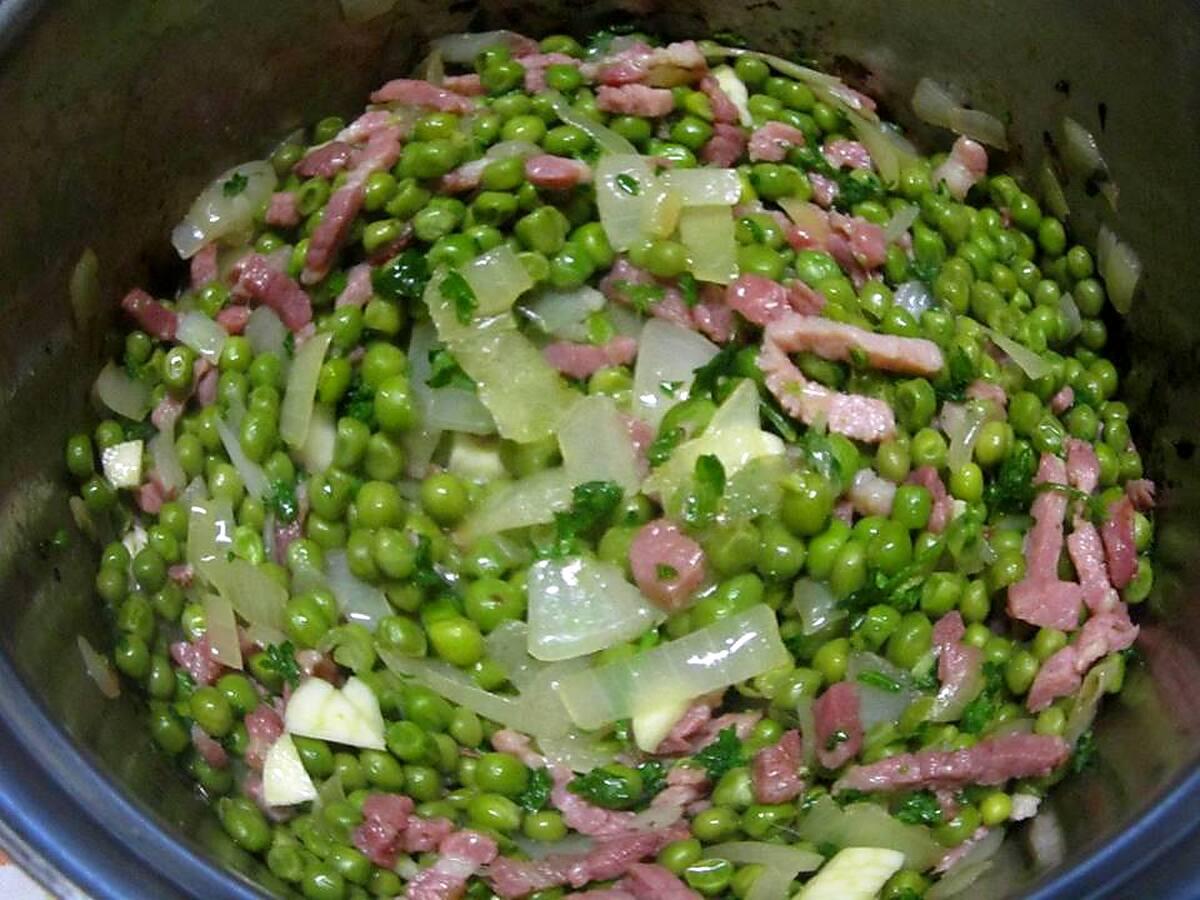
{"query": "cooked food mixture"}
pixel 626 471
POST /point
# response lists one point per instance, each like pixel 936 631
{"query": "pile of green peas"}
pixel 995 259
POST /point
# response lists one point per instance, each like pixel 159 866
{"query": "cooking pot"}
pixel 115 114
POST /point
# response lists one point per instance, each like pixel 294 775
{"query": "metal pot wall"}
pixel 115 114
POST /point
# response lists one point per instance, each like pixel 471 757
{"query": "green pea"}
pixel 81 458
pixel 877 625
pixel 178 367
pixel 849 572
pixel 457 640
pixel 566 140
pixel 941 592
pixel 890 549
pixel 444 498
pixel 245 824
pixel 757 259
pixel 915 403
pixel 912 506
pixel 781 556
pixel 709 876
pixel 211 711
pixel 831 659
pixel 807 503
pixel 239 692
pixel 911 640
pixel 524 127
pixel 394 410
pixel 546 826
pixel 715 824
pixel 493 811
pixel 132 656
pixel 1047 642
pixel 731 548
pixel 1050 721
pixel 501 773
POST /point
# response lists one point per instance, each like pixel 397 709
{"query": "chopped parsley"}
pixel 641 296
pixel 1085 754
pixel 1011 491
pixel 289 344
pixel 281 500
pixel 703 500
pixel 902 590
pixel 455 289
pixel 663 572
pixel 880 681
pixel 919 808
pixel 663 445
pixel 235 184
pixel 620 787
pixel 689 288
pixel 711 375
pixel 592 505
pixel 670 387
pixel 959 373
pixel 628 184
pixel 446 372
pixel 281 659
pixel 723 754
pixel 425 570
pixel 980 711
pixel 537 792
pixel 777 420
pixel 358 402
pixel 402 278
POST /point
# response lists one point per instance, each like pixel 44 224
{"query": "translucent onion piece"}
pixel 1066 304
pixel 809 217
pixel 84 291
pixel 317 450
pixel 668 357
pixel 202 334
pixel 122 464
pixel 563 314
pixel 509 149
pixel 733 435
pixel 914 297
pixel 476 458
pixel 255 596
pixel 1101 679
pixel 890 152
pixel 715 657
pixel 816 605
pixel 83 518
pixel 432 68
pixel 525 396
pixel 807 723
pixel 580 605
pixel 210 534
pixel 349 716
pixel 578 751
pixel 1028 361
pixel 868 825
pixel 285 781
pixel 252 474
pixel 358 11
pixel 1120 267
pixel 757 489
pixel 856 873
pixel 195 492
pixel 708 234
pixel 357 601
pixel 266 332
pixel 301 392
pixel 122 394
pixel 782 865
pixel 963 436
pixel 530 501
pixel 98 669
pixel 1052 190
pixel 900 222
pixel 735 89
pixel 498 278
pixel 970 868
pixel 220 627
pixel 443 408
pixel 934 104
pixel 828 87
pixel 878 704
pixel 596 445
pixel 545 717
pixel 1081 153
pixel 214 215
pixel 704 187
pixel 508 647
pixel 463 48
pixel 166 461
pixel 625 191
pixel 605 138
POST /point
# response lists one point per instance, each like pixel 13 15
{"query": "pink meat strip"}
pixel 1119 546
pixel 675 64
pixel 556 172
pixel 583 360
pixel 1063 400
pixel 943 503
pixel 197 660
pixel 283 211
pixel 358 289
pixel 1062 673
pixel 325 161
pixel 991 761
pixel 465 85
pixel 723 109
pixel 234 319
pixel 838 730
pixel 725 147
pixel 1083 468
pixel 772 141
pixel 635 100
pixel 986 390
pixel 152 317
pixel 263 728
pixel 838 341
pixel 1086 550
pixel 847 155
pixel 668 566
pixel 460 856
pixel 775 770
pixel 413 92
pixel 259 278
pixel 204 269
pixel 963 168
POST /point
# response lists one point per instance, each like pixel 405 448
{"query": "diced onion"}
pixel 359 11
pixel 970 868
pixel 432 68
pixel 734 436
pixel 498 278
pixel 563 314
pixel 317 450
pixel 98 669
pixel 254 595
pixel 963 436
pixel 545 717
pixel 301 392
pixel 357 601
pixel 1101 679
pixel 202 334
pixel 1028 361
pixel 579 606
pixel 934 104
pixel 443 408
pixel 83 518
pixel 782 864
pixel 756 489
pixel 463 48
pixel 868 825
pixel 166 461
pixel 215 215
pixel 578 751
pixel 735 89
pixel 954 697
pixel 122 464
pixel 816 605
pixel 476 458
pixel 890 152
pixel 210 533
pixel 252 474
pixel 604 138
pixel 1070 311
pixel 900 222
pixel 266 332
pixel 596 446
pixel 1052 190
pixel 828 87
pixel 625 191
pixel 530 501
pixel 730 651
pixel 1081 153
pixel 806 722
pixel 668 357
pixel 285 780
pixel 809 218
pixel 350 715
pixel 914 297
pixel 220 627
pixel 708 234
pixel 195 492
pixel 508 647
pixel 84 290
pixel 1120 267
pixel 525 396
pixel 704 187
pixel 879 705
pixel 856 873
pixel 122 394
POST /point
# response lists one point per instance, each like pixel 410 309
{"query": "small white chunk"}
pixel 122 464
pixel 350 716
pixel 856 873
pixel 285 781
pixel 653 720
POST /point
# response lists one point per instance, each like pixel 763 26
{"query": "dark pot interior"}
pixel 115 114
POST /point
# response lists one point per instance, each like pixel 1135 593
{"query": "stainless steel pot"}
pixel 115 114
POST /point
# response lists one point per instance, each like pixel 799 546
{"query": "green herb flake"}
pixel 708 377
pixel 235 184
pixel 641 296
pixel 446 372
pixel 455 289
pixel 723 754
pixel 402 278
pixel 702 502
pixel 663 572
pixel 689 288
pixel 1012 490
pixel 358 402
pixel 281 659
pixel 281 500
pixel 663 446
pixel 919 808
pixel 1086 753
pixel 880 681
pixel 592 506
pixel 537 793
pixel 628 184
